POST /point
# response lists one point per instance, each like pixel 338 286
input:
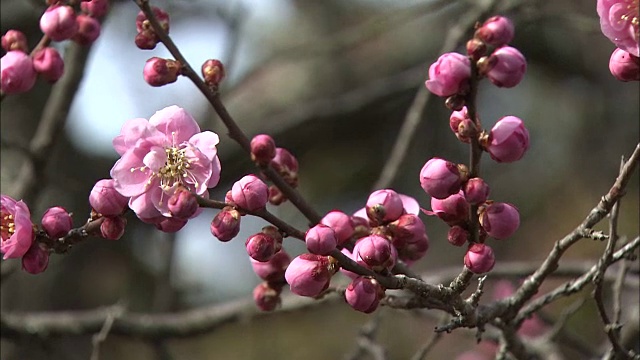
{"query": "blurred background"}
pixel 331 81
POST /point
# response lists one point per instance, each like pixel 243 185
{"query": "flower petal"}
pixel 177 125
pixel 206 142
pixel 132 131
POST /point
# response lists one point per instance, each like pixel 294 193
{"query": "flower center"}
pixel 630 16
pixel 175 168
pixel 7 225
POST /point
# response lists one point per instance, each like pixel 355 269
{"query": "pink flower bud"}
pixel 407 229
pixel 266 297
pixel 364 294
pixel 170 225
pixel 95 8
pixel 263 149
pixel 17 72
pixel 56 222
pixel 414 250
pixel 182 204
pixel 508 140
pixel 14 40
pixel 384 206
pixel 59 22
pixel 159 72
pixel 146 40
pixel 250 193
pixel 440 178
pixel 449 75
pixel 624 66
pixel 619 22
pixel 462 125
pixel 88 30
pixel 106 200
pixel 49 64
pixel 452 210
pixel 276 197
pixel 476 191
pixel 510 66
pixel 273 269
pixel 499 220
pixel 16 228
pixel 143 24
pixel 309 275
pixel 496 31
pixel 479 258
pixel 361 227
pixel 36 259
pixel 226 224
pixel 286 165
pixel 321 240
pixel 262 247
pixel 112 227
pixel 457 235
pixel 212 72
pixel 340 223
pixel 375 252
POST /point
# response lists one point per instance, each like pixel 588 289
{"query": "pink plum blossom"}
pixel 479 258
pixel 341 224
pixel 159 156
pixel 440 178
pixel 619 22
pixel 16 228
pixel 500 220
pixel 384 206
pixel 321 240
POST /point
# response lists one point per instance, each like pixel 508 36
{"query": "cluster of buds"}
pixel 386 230
pixel 58 23
pixel 21 237
pixel 487 53
pixel 264 153
pixel 146 39
pixel 459 198
pixel 107 203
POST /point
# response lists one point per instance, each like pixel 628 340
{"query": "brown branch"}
pixel 31 176
pixel 233 129
pixel 550 264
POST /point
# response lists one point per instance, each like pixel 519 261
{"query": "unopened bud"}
pixel 49 64
pixel 106 200
pixel 59 22
pixel 499 220
pixel 213 72
pixel 250 193
pixel 183 204
pixel 457 235
pixel 95 8
pixel 476 48
pixel 112 227
pixel 226 224
pixel 36 259
pixel 476 191
pixel 266 297
pixel 273 269
pixel 479 258
pixel 263 149
pixel 309 275
pixel 159 72
pixel 56 222
pixel 364 294
pixel 321 240
pixel 88 30
pixel 15 40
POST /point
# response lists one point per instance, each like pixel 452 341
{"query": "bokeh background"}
pixel 332 82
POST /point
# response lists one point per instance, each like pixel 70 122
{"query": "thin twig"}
pixel 100 337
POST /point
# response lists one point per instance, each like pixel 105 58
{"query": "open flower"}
pixel 619 22
pixel 159 156
pixel 16 228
